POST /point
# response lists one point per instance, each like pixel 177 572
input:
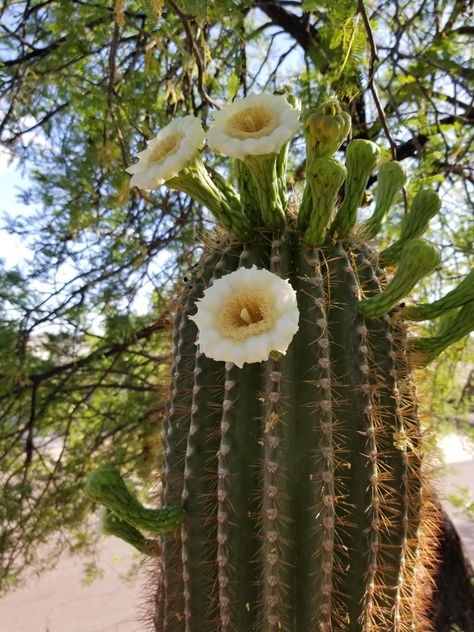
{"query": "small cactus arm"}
pixel 111 524
pixel 303 475
pixel 106 487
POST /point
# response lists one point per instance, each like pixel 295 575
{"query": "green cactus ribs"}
pixel 301 475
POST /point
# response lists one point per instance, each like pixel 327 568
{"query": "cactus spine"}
pixel 302 476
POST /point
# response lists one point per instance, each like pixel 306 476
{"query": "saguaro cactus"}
pixel 291 438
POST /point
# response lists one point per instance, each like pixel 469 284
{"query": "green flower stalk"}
pixel 106 487
pixel 248 193
pixel 418 258
pixel 223 201
pixel 391 178
pixel 266 185
pixel 426 204
pixel 325 130
pixel 361 158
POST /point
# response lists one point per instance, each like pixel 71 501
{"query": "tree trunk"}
pixel 453 602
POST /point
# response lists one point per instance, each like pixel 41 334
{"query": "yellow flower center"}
pixel 253 122
pixel 165 147
pixel 246 314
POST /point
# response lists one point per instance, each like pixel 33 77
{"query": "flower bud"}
pixel 326 128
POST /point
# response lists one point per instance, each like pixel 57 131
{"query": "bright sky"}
pixel 12 250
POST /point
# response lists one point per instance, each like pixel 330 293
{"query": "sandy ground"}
pixel 59 602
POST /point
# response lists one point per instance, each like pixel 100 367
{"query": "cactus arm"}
pixel 279 471
pixel 425 350
pixel 349 406
pixel 416 516
pixel 426 204
pixel 236 543
pixel 361 157
pixel 105 486
pixel 113 525
pixel 391 455
pixel 418 259
pixel 391 178
pixel 325 177
pixel 459 296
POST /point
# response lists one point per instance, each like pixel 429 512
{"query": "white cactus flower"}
pixel 168 153
pixel 245 315
pixel 258 125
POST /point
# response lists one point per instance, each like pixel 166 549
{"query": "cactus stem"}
pixel 176 419
pixel 209 378
pixel 279 475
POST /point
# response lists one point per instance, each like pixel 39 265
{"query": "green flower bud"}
pixel 425 350
pixel 325 180
pixel 418 258
pixel 391 179
pixel 361 158
pixel 106 487
pixel 425 205
pixel 326 128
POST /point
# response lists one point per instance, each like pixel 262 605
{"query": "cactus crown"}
pixel 291 436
